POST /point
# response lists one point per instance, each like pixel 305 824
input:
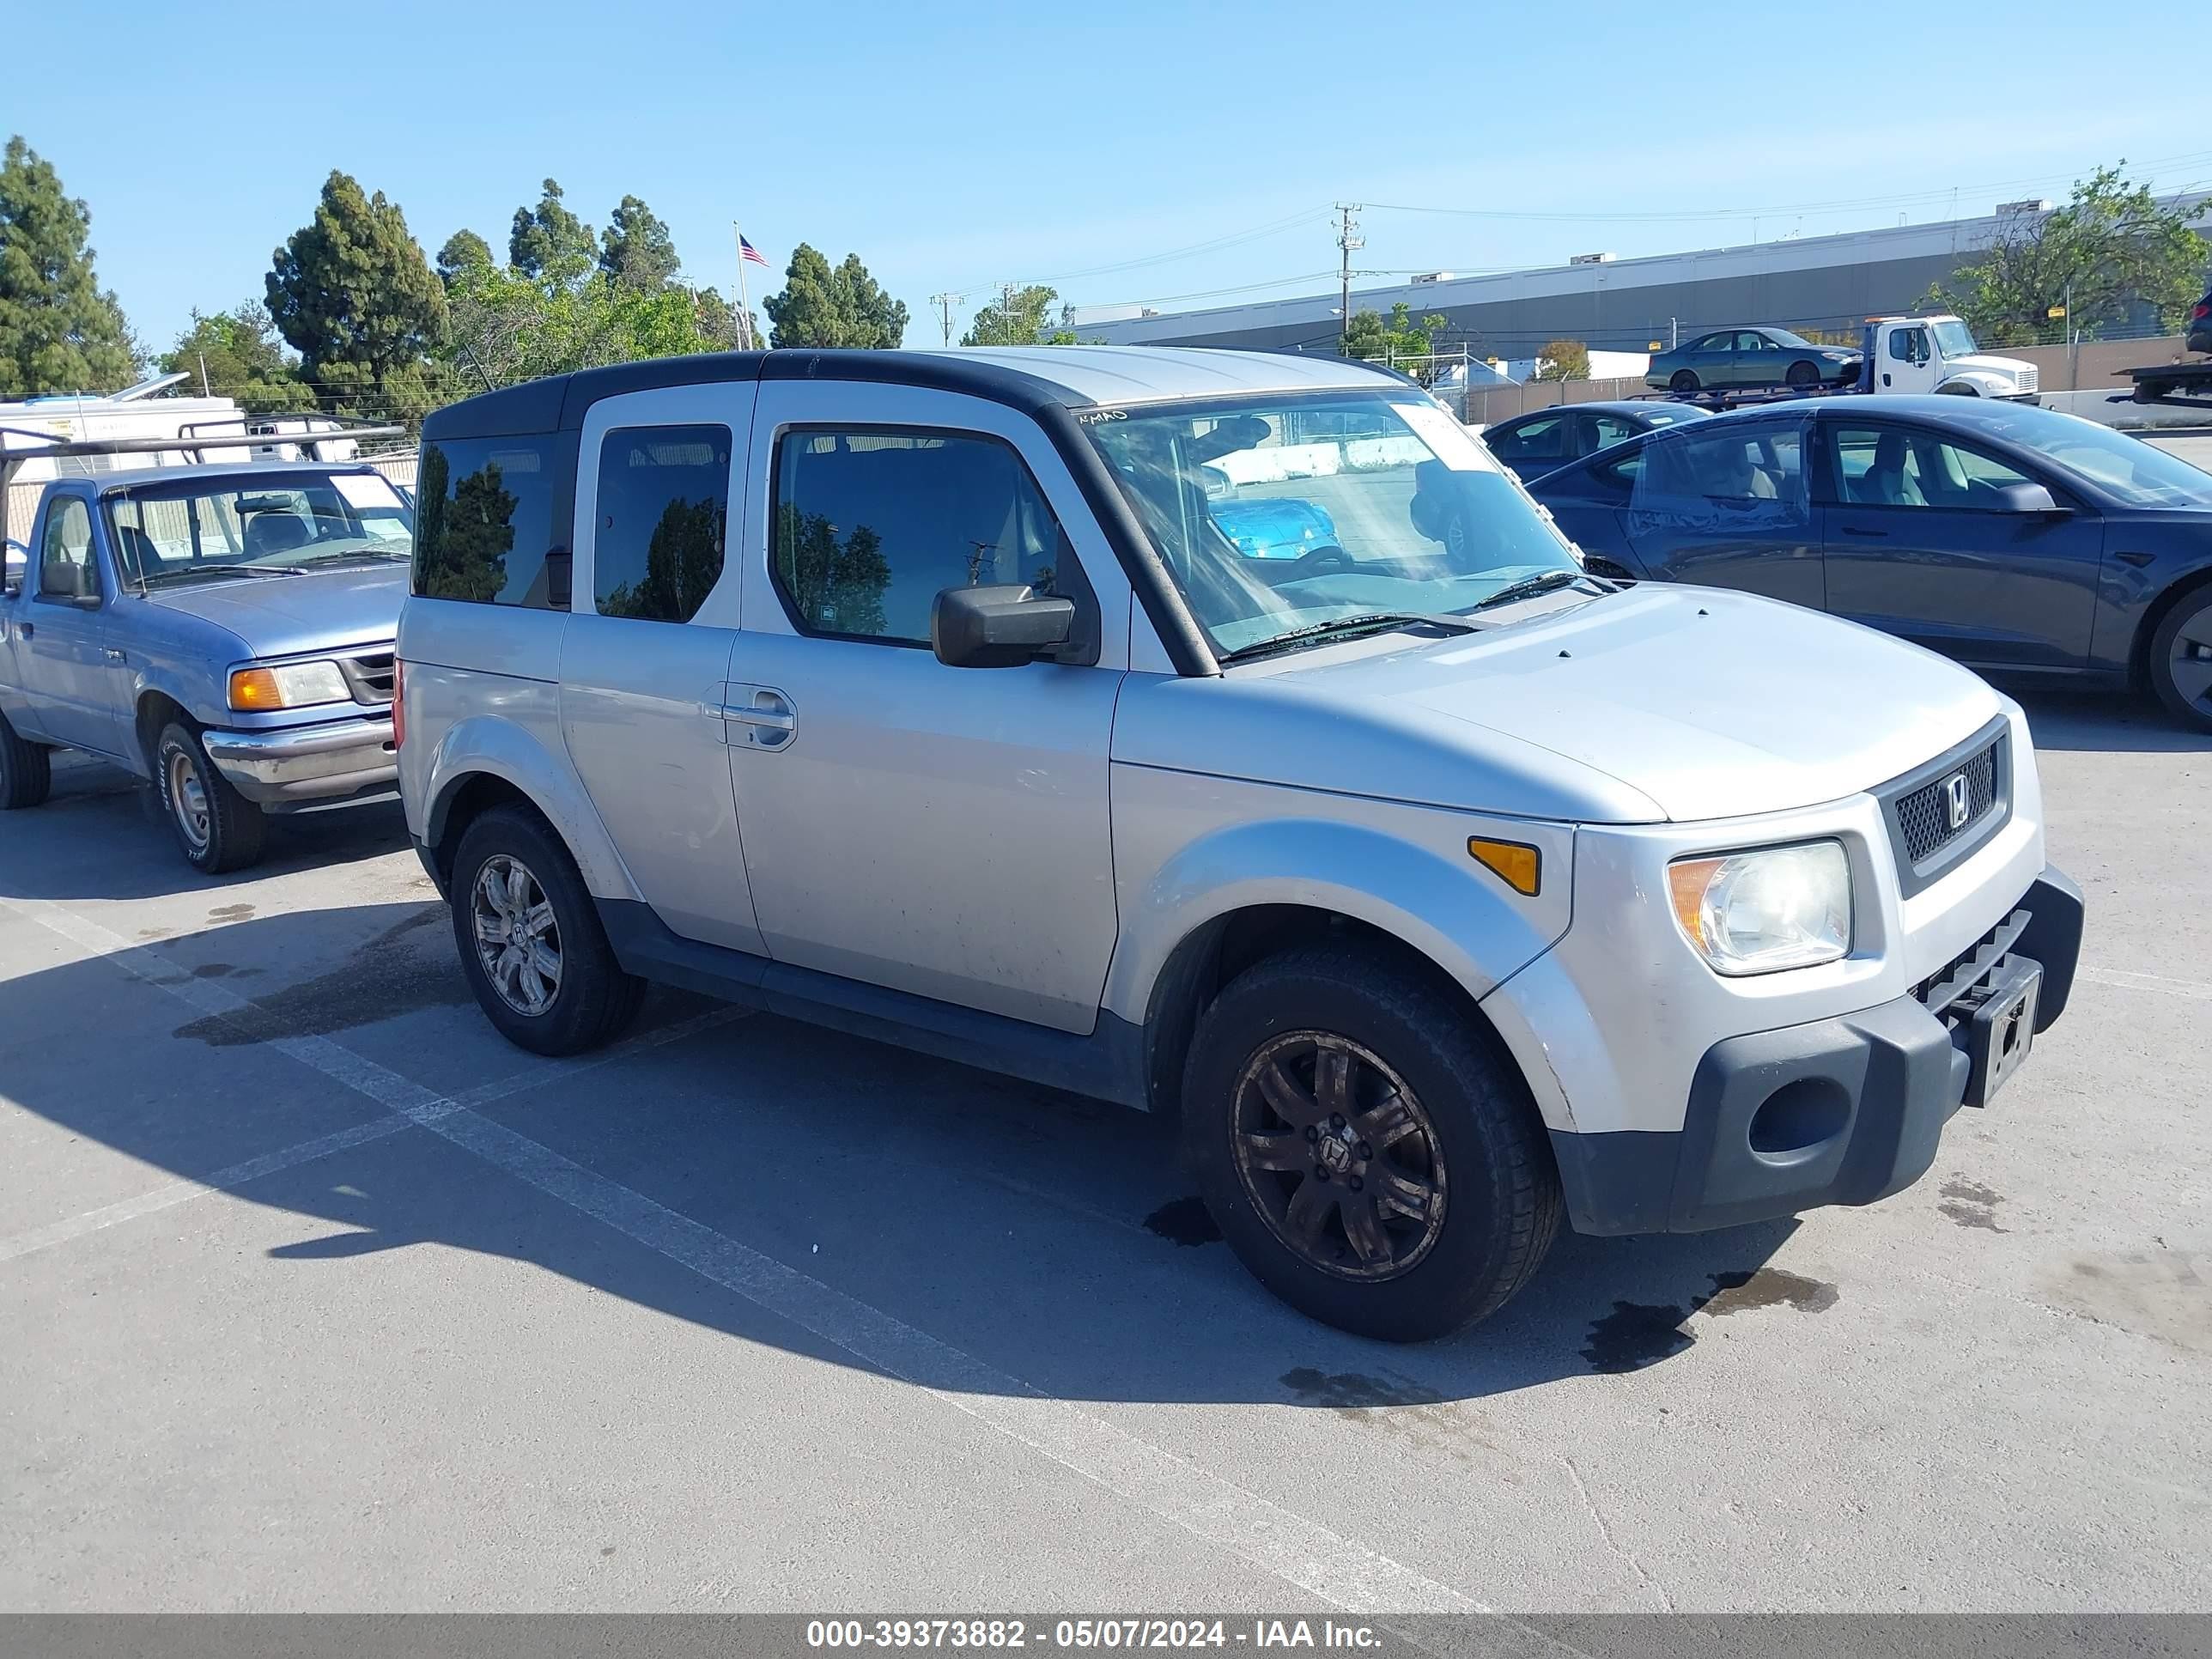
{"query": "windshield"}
pixel 2139 473
pixel 182 530
pixel 1953 338
pixel 1277 515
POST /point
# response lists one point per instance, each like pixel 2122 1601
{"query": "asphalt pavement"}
pixel 317 1295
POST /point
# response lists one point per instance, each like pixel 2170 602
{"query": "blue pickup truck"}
pixel 223 631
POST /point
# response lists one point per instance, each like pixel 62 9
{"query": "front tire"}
pixel 27 771
pixel 1802 375
pixel 531 942
pixel 1682 383
pixel 217 828
pixel 1366 1155
pixel 2181 659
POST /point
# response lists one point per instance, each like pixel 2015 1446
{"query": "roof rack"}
pixel 192 441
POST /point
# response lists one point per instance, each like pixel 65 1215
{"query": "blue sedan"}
pixel 2014 539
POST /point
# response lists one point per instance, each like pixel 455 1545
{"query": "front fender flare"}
pixel 482 745
pixel 1454 913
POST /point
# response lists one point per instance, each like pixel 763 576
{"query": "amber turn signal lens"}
pixel 255 688
pixel 1517 864
pixel 1686 883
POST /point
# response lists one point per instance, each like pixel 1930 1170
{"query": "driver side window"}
pixel 67 569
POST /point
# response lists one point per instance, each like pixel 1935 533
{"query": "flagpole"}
pixel 744 307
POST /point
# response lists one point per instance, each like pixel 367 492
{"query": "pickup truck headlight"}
pixel 1760 912
pixel 288 685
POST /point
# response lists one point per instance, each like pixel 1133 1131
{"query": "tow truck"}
pixel 1900 356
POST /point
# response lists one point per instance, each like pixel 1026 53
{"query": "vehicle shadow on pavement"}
pixel 2105 724
pixel 117 843
pixel 1051 1239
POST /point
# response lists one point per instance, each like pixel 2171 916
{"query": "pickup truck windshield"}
pixel 178 530
pixel 1279 513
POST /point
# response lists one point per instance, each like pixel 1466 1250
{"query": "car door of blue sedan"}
pixel 1725 503
pixel 1918 542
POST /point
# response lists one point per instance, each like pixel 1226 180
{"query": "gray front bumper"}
pixel 306 765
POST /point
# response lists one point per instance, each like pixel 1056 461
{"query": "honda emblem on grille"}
pixel 1954 796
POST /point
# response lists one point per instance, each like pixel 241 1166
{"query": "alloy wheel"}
pixel 518 941
pixel 1337 1154
pixel 2188 660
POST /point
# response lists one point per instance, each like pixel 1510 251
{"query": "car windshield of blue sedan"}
pixel 2139 473
pixel 1294 518
pixel 237 525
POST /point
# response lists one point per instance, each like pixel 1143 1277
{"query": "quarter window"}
pixel 871 525
pixel 662 519
pixel 490 516
pixel 66 569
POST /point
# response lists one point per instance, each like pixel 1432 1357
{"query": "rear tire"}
pixel 217 828
pixel 1683 382
pixel 531 942
pixel 1802 374
pixel 1420 1207
pixel 2181 659
pixel 27 771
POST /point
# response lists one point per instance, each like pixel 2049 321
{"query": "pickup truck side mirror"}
pixel 1001 626
pixel 2026 498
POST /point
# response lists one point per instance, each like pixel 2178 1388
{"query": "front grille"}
pixel 1949 995
pixel 2031 378
pixel 369 675
pixel 1924 816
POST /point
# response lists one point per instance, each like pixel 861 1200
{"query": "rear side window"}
pixel 871 525
pixel 1545 439
pixel 663 516
pixel 490 521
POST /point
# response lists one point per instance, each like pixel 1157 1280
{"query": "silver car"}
pixel 1444 894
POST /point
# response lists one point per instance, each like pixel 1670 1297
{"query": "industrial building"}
pixel 1812 282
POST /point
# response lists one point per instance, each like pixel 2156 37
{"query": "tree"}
pixel 351 293
pixel 549 242
pixel 720 327
pixel 828 309
pixel 59 330
pixel 234 354
pixel 2111 246
pixel 463 250
pixel 1400 341
pixel 1563 360
pixel 1018 319
pixel 507 326
pixel 635 249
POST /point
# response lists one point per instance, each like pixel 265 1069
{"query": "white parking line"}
pixel 1299 1552
pixel 269 1163
pixel 2195 989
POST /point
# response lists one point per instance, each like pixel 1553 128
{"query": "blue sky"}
pixel 956 148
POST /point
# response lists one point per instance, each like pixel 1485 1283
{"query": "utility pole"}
pixel 1347 239
pixel 945 302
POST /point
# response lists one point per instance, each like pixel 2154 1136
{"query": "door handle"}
pixel 27 629
pixel 112 653
pixel 766 713
pixel 1853 529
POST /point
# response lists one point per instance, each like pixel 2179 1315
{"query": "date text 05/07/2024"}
pixel 1141 1634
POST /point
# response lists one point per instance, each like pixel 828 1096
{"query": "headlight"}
pixel 288 685
pixel 1760 912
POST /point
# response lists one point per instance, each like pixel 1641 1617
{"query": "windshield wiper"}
pixel 1528 587
pixel 357 553
pixel 155 578
pixel 1371 621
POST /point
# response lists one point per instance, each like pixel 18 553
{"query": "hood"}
pixel 1682 703
pixel 2010 367
pixel 283 616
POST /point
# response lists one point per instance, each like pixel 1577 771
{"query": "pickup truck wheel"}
pixel 1364 1152
pixel 530 939
pixel 2181 659
pixel 218 827
pixel 27 770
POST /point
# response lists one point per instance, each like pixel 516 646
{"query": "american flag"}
pixel 747 251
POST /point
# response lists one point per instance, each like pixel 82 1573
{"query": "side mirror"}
pixel 85 601
pixel 1001 626
pixel 2026 498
